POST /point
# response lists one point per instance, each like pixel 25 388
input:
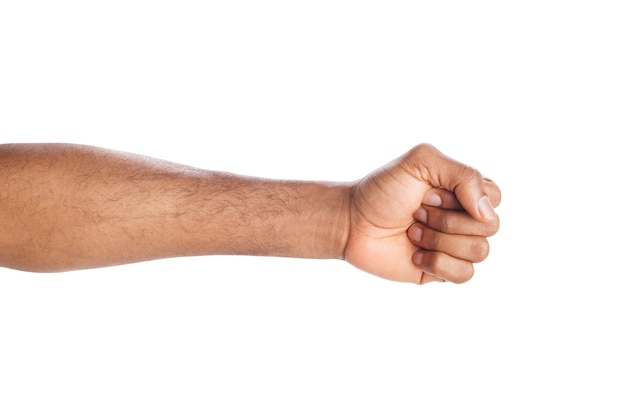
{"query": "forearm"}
pixel 71 207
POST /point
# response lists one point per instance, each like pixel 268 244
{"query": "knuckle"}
pixel 470 175
pixel 422 149
pixel 480 250
pixel 466 274
pixel 492 227
pixel 434 241
pixel 445 223
pixel 457 272
pixel 437 263
pixel 421 155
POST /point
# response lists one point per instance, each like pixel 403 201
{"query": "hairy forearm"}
pixel 68 207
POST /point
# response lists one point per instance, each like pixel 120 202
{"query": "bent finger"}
pixel 431 166
pixel 443 266
pixel 455 222
pixel 468 248
pixel 442 198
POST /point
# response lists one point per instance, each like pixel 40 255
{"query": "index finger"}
pixel 442 198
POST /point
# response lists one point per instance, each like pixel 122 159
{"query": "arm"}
pixel 70 207
pixel 66 207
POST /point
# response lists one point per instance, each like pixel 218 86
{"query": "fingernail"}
pixel 432 199
pixel 421 215
pixel 416 233
pixel 418 257
pixel 486 209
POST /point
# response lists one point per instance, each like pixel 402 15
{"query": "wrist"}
pixel 334 224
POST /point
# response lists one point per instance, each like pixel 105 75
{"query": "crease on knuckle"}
pixel 433 241
pixel 468 175
pixel 445 223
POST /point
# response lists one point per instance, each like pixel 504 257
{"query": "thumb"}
pixel 431 166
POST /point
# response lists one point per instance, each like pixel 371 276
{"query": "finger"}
pixel 442 198
pixel 429 165
pixel 443 266
pixel 455 222
pixel 469 248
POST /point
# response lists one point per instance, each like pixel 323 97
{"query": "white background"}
pixel 531 93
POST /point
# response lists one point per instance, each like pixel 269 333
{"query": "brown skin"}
pixel 390 205
pixel 65 207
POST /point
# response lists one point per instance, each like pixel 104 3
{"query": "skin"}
pixel 423 217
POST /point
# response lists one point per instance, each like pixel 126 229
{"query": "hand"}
pixel 424 217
